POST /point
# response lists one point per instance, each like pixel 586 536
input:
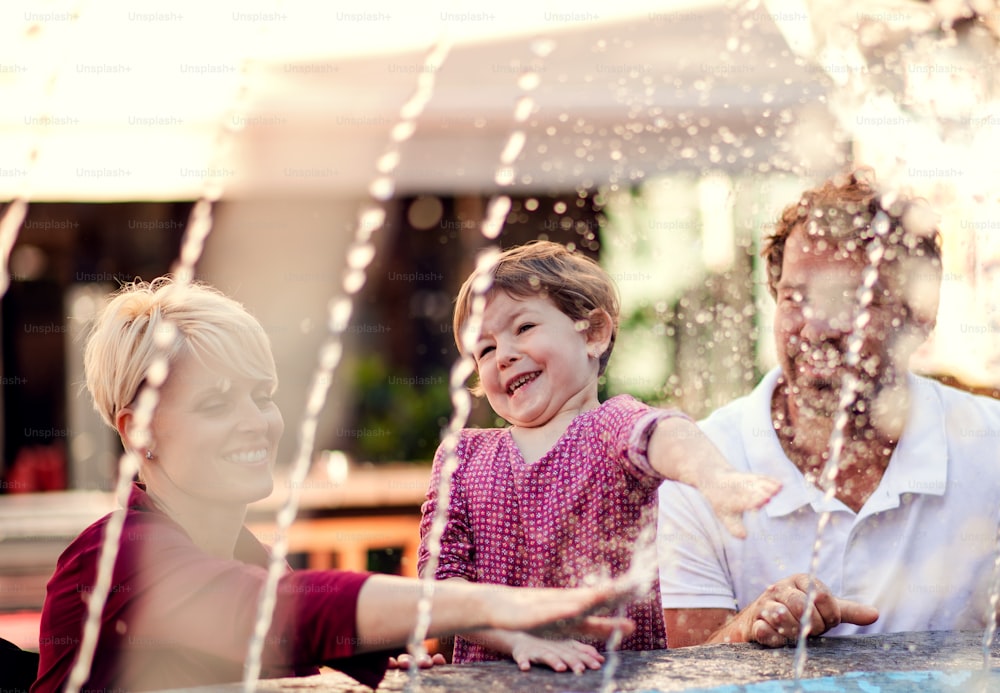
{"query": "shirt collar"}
pixel 248 548
pixel 918 464
pixel 139 499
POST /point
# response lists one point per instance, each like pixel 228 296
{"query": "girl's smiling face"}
pixel 535 363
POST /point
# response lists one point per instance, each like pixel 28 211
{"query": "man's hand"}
pixel 773 619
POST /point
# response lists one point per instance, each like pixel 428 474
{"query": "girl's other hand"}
pixel 407 661
pixel 559 655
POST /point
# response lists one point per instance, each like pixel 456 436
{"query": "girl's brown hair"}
pixel 574 283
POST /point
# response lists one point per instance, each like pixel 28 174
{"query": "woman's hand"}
pixel 387 610
pixel 559 613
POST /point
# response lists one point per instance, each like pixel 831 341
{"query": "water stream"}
pixel 360 254
pixel 991 609
pixel 491 226
pixel 925 70
pixel 197 229
pixel 850 389
pixel 461 400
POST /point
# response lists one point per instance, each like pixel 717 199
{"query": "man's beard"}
pixel 822 374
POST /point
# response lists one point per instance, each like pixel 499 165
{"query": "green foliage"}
pixel 398 417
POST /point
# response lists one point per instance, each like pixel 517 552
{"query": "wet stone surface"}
pixel 696 668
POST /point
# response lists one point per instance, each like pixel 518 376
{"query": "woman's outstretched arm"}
pixel 387 610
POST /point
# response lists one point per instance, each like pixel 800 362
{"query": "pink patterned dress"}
pixel 574 513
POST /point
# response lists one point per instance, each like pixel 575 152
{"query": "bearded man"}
pixel 911 538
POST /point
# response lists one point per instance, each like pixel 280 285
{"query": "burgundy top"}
pixel 178 617
pixel 574 513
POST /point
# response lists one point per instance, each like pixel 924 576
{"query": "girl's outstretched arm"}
pixel 681 452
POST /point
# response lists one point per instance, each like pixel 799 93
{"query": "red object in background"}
pixel 21 628
pixel 38 468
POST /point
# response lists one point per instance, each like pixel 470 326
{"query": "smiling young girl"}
pixel 562 493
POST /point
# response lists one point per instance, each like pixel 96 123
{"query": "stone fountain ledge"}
pixel 685 669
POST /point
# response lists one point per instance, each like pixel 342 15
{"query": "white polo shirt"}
pixel 921 549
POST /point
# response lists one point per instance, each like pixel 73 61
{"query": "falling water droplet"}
pixel 529 81
pixel 354 281
pixel 330 355
pixel 165 335
pixel 157 372
pixel 340 314
pixel 360 256
pixel 496 214
pixel 543 47
pixel 403 131
pixel 388 162
pixel 523 109
pixel 382 188
pixel 370 221
pixel 515 144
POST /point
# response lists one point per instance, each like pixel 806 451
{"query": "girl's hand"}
pixel 407 661
pixel 731 493
pixel 559 655
pixel 680 451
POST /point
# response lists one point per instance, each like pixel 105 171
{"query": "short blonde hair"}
pixel 574 283
pixel 122 342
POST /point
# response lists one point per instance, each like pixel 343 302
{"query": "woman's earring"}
pixel 149 454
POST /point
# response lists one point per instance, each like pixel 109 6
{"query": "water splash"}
pixel 13 216
pixel 359 255
pixel 637 580
pixel 197 229
pixel 461 401
pixel 850 388
pixel 991 609
pixel 10 226
pixel 496 214
pixel 497 210
pixel 916 88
